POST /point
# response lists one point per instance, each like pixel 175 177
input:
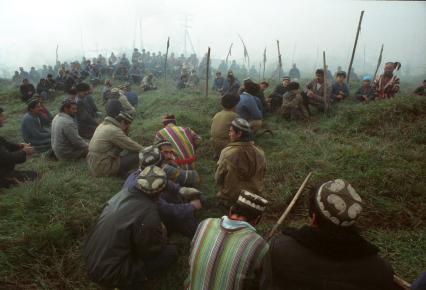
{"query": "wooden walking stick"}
pixel 401 283
pixel 289 207
pixel 379 61
pixel 354 49
pixel 207 72
pixel 325 81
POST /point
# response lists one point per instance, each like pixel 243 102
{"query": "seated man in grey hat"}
pixel 177 204
pixel 293 107
pixel 128 245
pixel 228 253
pixel 110 139
pixel 241 164
pixel 329 253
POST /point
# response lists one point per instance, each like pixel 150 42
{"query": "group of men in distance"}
pixel 129 245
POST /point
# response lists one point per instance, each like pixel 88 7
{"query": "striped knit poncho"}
pixel 184 141
pixel 228 258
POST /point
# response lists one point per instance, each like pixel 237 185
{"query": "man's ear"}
pixel 313 219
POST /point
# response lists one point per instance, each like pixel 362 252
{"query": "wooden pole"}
pixel 264 63
pixel 289 207
pixel 229 53
pixel 354 49
pixel 280 63
pixel 325 81
pixel 165 62
pixel 207 73
pixel 379 61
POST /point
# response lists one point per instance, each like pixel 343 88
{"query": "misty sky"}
pixel 30 30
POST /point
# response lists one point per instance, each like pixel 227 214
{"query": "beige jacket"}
pixel 241 165
pixel 105 147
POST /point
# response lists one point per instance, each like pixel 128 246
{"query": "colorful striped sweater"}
pixel 228 255
pixel 184 141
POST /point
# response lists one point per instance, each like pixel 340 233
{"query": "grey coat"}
pixel 66 142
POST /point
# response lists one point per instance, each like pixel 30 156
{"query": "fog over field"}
pixel 31 30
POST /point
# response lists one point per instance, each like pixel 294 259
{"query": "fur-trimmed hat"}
pixel 338 202
pixel 127 117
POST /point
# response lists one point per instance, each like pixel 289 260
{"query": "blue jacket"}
pixel 165 206
pixel 132 97
pixel 248 108
pixel 336 88
pixel 33 131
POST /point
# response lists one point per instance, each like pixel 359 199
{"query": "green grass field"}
pixel 379 147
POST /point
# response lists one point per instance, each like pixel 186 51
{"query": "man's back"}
pixel 308 259
pixel 241 165
pixel 128 230
pixel 225 256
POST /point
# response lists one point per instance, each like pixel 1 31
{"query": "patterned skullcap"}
pixel 129 118
pixel 252 201
pixel 338 202
pixel 115 92
pixel 241 124
pixel 150 155
pixel 152 180
pixel 160 143
pixel 169 118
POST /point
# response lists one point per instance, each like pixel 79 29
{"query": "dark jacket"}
pixel 10 155
pixel 27 91
pixel 128 231
pixel 308 258
pixel 86 121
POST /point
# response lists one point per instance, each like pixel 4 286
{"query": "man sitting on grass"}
pixel 329 254
pixel 128 245
pixel 32 128
pixel 12 154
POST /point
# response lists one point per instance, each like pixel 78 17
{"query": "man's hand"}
pixel 196 203
pixel 28 149
pixel 310 94
pixel 189 193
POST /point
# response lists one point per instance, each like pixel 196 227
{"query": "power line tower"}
pixel 186 35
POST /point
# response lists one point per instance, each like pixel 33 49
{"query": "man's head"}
pixel 263 85
pixel 150 155
pixel 286 81
pixel 293 86
pixel 248 207
pixel 334 206
pixel 390 67
pixel 152 181
pixel 319 75
pixel 169 119
pixel 125 120
pixel 69 107
pixel 239 130
pixel 229 101
pixel 34 106
pixel 166 150
pixel 218 74
pixel 340 77
pixel 83 89
pixel 366 80
pixel 25 81
pixel 251 87
pixel 2 117
pixel 108 83
pixel 230 76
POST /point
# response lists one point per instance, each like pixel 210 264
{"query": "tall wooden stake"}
pixel 379 61
pixel 165 62
pixel 207 73
pixel 325 82
pixel 280 63
pixel 356 42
